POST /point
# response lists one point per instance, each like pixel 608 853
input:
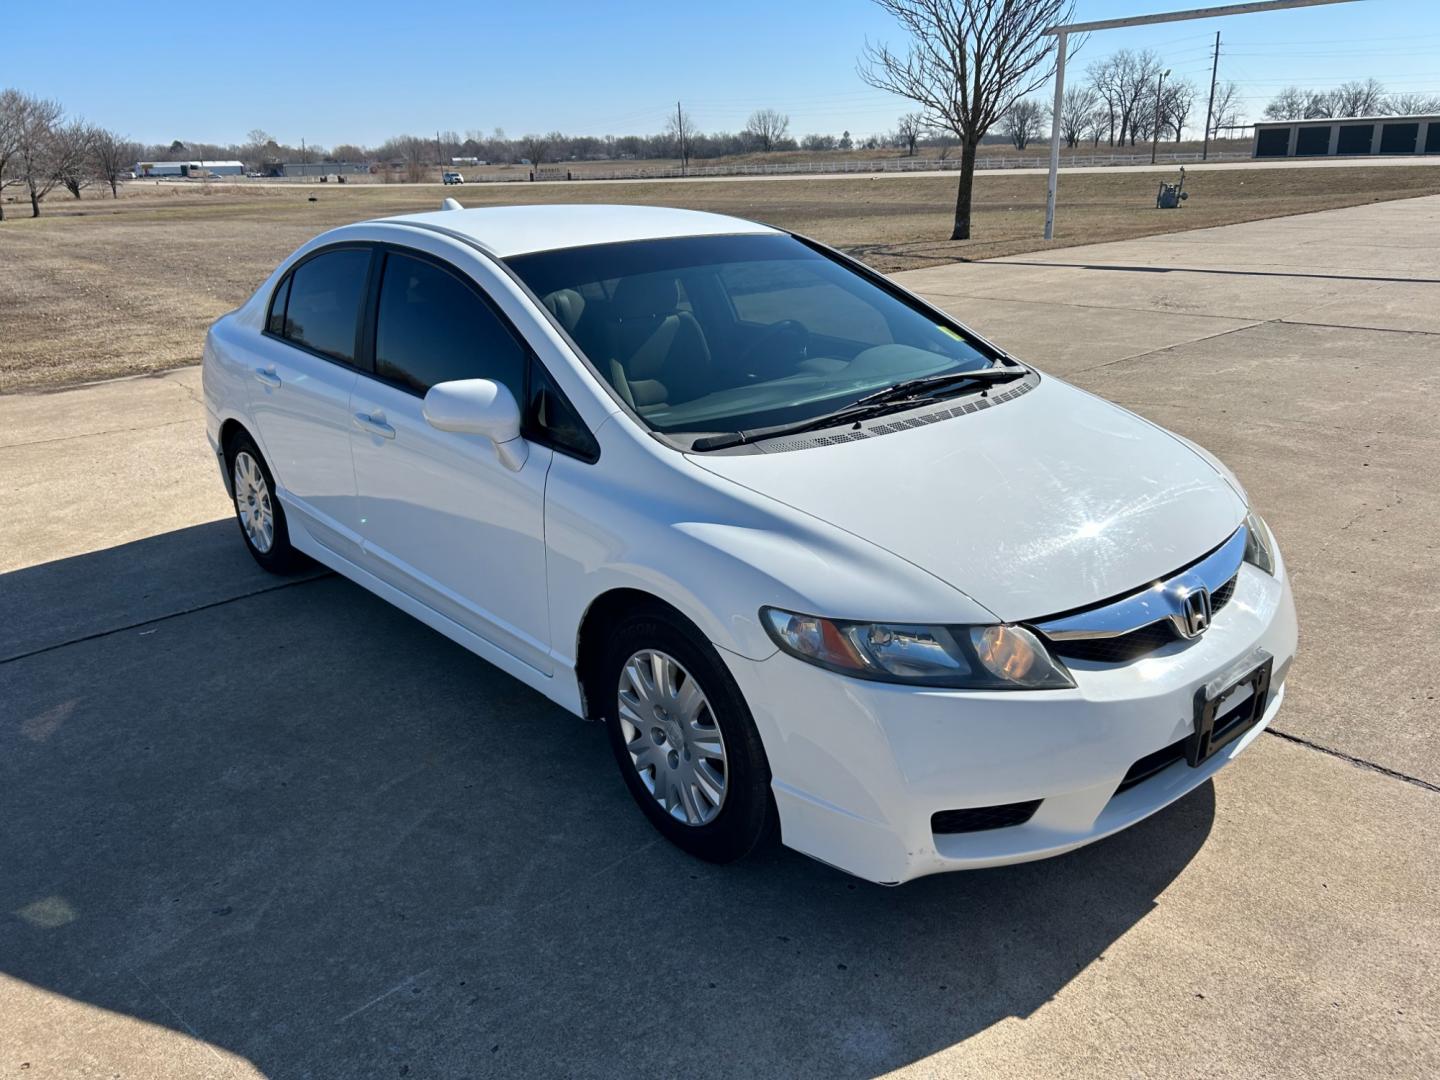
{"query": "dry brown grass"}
pixel 119 287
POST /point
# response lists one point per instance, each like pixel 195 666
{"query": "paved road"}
pixel 250 827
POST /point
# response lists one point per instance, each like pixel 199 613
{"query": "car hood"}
pixel 1047 502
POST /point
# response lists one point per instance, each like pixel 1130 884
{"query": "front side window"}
pixel 432 327
pixel 322 299
pixel 728 333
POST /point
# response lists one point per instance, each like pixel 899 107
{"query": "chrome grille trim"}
pixel 1160 602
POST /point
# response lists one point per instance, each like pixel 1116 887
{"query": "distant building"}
pixel 189 168
pixel 316 168
pixel 467 161
pixel 1348 136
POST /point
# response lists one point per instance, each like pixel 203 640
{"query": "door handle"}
pixel 268 377
pixel 366 422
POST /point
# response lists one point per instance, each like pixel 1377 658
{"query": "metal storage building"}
pixel 1347 136
pixel 189 168
pixel 316 168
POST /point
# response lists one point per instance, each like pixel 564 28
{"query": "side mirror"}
pixel 479 407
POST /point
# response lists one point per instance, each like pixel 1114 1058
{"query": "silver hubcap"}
pixel 673 739
pixel 252 502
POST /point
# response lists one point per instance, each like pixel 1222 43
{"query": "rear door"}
pixel 305 377
pixel 442 518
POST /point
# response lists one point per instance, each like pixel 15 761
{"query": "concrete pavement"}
pixel 251 826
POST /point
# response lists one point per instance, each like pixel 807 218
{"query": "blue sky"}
pixel 361 71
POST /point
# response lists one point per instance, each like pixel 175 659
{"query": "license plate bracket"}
pixel 1216 725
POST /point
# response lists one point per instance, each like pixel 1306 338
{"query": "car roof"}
pixel 518 230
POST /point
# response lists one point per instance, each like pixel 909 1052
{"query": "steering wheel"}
pixel 771 337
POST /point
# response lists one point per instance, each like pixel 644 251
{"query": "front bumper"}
pixel 859 767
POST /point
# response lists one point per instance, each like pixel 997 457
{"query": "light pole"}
pixel 1159 98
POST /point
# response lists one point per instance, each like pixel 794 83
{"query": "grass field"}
pixel 105 287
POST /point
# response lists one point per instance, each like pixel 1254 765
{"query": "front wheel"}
pixel 684 738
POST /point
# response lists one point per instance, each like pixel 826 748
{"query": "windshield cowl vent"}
pixel 948 412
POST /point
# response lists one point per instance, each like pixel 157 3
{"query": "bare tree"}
pixel 1224 112
pixel 13 106
pixel 1410 105
pixel 908 129
pixel 1125 81
pixel 74 156
pixel 1098 124
pixel 767 127
pixel 1078 110
pixel 1357 98
pixel 112 156
pixel 1290 104
pixel 535 147
pixel 37 151
pixel 966 63
pixel 679 128
pixel 1176 101
pixel 1022 122
pixel 1106 84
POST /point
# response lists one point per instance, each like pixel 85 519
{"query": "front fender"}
pixel 648 519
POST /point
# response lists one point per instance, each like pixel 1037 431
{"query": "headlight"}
pixel 1259 543
pixel 996 657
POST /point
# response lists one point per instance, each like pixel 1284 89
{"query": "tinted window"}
pixel 552 418
pixel 324 302
pixel 730 333
pixel 432 328
pixel 276 322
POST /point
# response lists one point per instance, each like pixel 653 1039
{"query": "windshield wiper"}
pixel 925 385
pixel 903 395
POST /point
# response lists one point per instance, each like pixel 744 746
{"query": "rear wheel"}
pixel 684 738
pixel 257 510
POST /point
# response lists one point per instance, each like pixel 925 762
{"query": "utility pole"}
pixel 1210 108
pixel 439 157
pixel 1159 100
pixel 684 141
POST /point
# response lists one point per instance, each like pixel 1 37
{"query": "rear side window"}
pixel 276 322
pixel 432 327
pixel 322 298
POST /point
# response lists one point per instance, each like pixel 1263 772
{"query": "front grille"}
pixel 981 818
pixel 1118 650
pixel 1137 643
pixel 1151 764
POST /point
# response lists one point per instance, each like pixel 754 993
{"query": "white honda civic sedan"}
pixel 817 555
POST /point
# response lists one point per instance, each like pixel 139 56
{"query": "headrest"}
pixel 646 295
pixel 567 306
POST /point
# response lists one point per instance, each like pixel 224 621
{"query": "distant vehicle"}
pixel 453 178
pixel 815 553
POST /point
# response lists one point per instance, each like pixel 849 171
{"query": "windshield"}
pixel 728 333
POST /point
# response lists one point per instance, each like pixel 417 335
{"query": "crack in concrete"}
pixel 163 618
pixel 98 434
pixel 1358 762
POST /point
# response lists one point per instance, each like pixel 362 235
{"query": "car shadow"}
pixel 306 829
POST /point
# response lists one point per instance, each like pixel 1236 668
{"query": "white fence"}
pixel 882 165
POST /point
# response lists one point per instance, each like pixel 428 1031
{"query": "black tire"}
pixel 747 811
pixel 281 557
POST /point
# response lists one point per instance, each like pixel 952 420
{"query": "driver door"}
pixel 442 518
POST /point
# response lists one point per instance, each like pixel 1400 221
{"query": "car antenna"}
pixel 451 204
